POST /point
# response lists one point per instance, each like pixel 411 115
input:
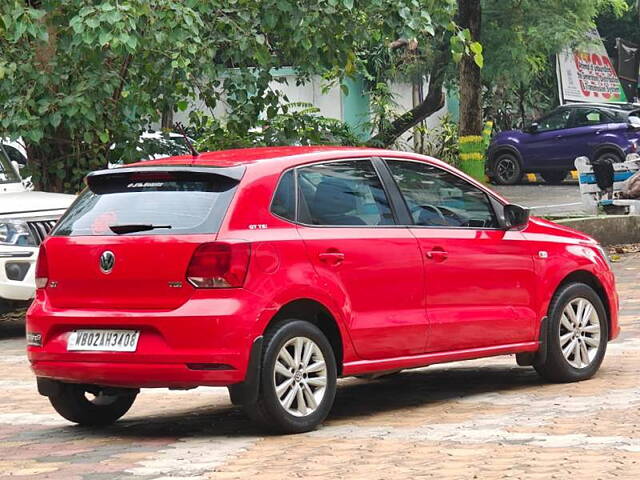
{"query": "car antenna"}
pixel 180 128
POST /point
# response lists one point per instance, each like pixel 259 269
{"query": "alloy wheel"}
pixel 579 331
pixel 506 168
pixel 300 376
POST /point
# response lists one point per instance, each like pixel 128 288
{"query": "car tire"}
pixel 297 378
pixel 506 169
pixel 577 335
pixel 608 156
pixel 554 178
pixel 73 404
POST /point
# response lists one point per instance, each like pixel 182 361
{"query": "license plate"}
pixel 104 340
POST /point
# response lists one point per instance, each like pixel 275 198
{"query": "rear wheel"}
pixel 554 178
pixel 78 405
pixel 608 156
pixel 577 335
pixel 507 169
pixel 297 378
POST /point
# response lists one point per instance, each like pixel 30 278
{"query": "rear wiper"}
pixel 134 227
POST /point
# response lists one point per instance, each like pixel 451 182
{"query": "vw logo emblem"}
pixel 107 261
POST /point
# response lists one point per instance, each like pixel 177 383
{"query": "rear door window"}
pixel 344 193
pixel 150 204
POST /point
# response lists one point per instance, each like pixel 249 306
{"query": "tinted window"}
pixel 437 198
pixel 7 172
pixel 343 193
pixel 584 117
pixel 284 199
pixel 14 154
pixel 554 121
pixel 186 204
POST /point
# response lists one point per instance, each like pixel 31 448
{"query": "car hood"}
pixel 33 203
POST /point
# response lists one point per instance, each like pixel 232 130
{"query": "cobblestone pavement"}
pixel 480 419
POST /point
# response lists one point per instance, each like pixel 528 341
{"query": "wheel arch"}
pixel 588 278
pixel 608 148
pixel 500 149
pixel 315 312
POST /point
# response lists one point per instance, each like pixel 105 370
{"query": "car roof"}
pixel 610 106
pixel 285 156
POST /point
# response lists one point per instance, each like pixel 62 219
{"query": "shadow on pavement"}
pixel 355 399
pixel 12 325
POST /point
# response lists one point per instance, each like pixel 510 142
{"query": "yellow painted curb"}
pixel 537 178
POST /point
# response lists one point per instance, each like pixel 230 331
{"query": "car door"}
pixel 546 146
pixel 589 126
pixel 479 278
pixel 370 265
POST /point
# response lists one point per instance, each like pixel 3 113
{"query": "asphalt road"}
pixel 544 199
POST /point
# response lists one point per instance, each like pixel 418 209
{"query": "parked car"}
pixel 551 144
pixel 26 217
pixel 274 271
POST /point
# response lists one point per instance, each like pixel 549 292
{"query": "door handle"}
pixel 437 254
pixel 558 137
pixel 331 258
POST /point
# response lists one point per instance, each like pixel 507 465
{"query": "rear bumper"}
pixel 206 341
pixel 135 375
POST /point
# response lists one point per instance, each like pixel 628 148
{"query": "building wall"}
pixel 333 102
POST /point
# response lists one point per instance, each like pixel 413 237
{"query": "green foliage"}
pixel 78 76
pixel 519 38
pixel 291 124
pixel 440 142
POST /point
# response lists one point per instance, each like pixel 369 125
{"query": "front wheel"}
pixel 297 379
pixel 507 169
pixel 577 335
pixel 78 405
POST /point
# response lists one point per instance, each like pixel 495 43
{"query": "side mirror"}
pixel 533 128
pixel 17 166
pixel 515 217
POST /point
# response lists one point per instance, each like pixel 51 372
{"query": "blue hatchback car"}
pixel 550 145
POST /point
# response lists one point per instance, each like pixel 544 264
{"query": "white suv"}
pixel 26 217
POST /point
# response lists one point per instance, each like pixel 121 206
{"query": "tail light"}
pixel 219 265
pixel 42 269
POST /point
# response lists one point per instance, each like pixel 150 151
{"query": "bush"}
pixel 293 124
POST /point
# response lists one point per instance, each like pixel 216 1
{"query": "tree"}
pixel 469 18
pixel 518 39
pixel 79 76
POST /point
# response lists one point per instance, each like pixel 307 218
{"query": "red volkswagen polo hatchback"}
pixel 275 271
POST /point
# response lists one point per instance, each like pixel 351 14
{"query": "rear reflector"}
pixel 219 265
pixel 42 269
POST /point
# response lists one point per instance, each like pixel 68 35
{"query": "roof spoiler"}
pixel 102 177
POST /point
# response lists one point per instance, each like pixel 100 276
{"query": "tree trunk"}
pixel 433 101
pixel 470 84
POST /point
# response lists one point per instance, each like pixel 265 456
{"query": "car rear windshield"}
pixel 165 203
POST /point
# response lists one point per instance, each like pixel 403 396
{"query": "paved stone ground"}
pixel 480 419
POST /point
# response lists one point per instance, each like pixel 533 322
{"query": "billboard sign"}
pixel 586 73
